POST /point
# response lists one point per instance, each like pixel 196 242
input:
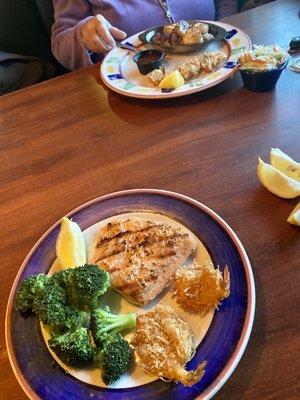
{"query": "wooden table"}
pixel 69 140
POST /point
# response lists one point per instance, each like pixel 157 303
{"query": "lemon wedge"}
pixel 285 164
pixel 70 247
pixel 294 217
pixel 172 81
pixel 277 182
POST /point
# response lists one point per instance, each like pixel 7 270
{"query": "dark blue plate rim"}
pixel 241 344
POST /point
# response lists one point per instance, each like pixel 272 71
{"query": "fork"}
pixel 127 46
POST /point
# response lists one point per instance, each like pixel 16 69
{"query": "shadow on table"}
pixel 238 384
pixel 134 111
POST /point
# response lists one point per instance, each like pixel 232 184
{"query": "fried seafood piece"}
pixel 207 36
pixel 171 34
pixel 204 62
pixel 201 27
pixel 164 344
pixel 196 33
pixel 156 76
pixel 168 29
pixel 192 36
pixel 141 256
pixel 183 33
pixel 180 28
pixel 189 70
pixel 200 288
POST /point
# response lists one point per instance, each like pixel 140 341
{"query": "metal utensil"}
pixel 127 46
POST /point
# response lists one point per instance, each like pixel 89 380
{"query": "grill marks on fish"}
pixel 141 256
pixel 130 240
pixel 115 229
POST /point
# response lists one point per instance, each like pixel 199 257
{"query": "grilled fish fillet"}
pixel 141 256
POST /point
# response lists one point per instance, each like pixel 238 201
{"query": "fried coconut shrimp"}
pixel 164 344
pixel 200 288
pixel 156 76
pixel 202 63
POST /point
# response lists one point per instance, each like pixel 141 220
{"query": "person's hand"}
pixel 98 34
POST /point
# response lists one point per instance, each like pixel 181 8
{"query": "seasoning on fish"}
pixel 141 256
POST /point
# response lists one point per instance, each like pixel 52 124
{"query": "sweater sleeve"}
pixel 67 44
pixel 224 8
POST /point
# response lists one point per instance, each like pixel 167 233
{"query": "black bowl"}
pixel 261 81
pixel 148 60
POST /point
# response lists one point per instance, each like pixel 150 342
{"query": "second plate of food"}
pixel 200 70
pixel 160 230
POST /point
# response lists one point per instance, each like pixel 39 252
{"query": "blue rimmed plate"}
pixel 223 345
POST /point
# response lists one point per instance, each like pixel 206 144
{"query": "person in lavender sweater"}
pixel 84 30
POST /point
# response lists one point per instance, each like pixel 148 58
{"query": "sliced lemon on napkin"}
pixel 285 164
pixel 172 81
pixel 70 247
pixel 294 217
pixel 277 182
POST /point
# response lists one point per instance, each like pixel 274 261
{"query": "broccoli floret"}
pixel 27 292
pixel 74 319
pixel 114 358
pixel 50 306
pixel 73 348
pixel 85 285
pixel 61 277
pixel 54 312
pixel 104 324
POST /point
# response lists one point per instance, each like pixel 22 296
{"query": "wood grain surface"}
pixel 69 140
